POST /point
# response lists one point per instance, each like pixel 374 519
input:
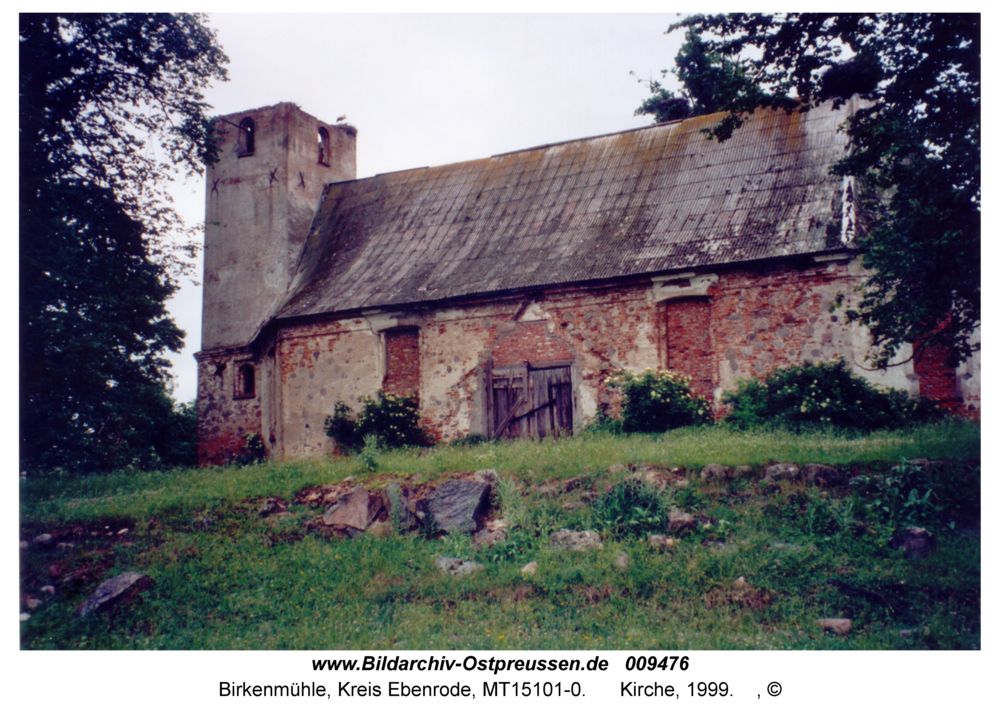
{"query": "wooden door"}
pixel 531 401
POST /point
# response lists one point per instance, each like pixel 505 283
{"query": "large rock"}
pixel 576 540
pixel 356 511
pixel 916 542
pixel 120 589
pixel 456 505
pixel 840 626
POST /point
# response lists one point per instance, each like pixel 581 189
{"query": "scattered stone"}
pixel 122 532
pixel 49 590
pixel 271 506
pixel 486 538
pixel 203 522
pixel 616 469
pixel 681 483
pixel 782 471
pixel 530 568
pixel 32 603
pixel 44 540
pixel 623 561
pixel 740 583
pixel 576 540
pixel 65 546
pixel 120 589
pixel 24 545
pixel 379 528
pixel 744 471
pixel 823 475
pixel 456 505
pixel 716 473
pixel 25 617
pixel 356 511
pixel 681 522
pixel 916 542
pixel 574 505
pixel 661 541
pixel 840 626
pixel 486 476
pixel 456 567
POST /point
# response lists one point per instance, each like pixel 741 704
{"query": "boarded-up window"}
pixel 938 381
pixel 402 373
pixel 687 342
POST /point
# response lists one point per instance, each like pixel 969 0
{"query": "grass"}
pixel 228 578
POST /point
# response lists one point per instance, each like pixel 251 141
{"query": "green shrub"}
pixel 634 508
pixel 601 424
pixel 657 401
pixel 823 395
pixel 393 420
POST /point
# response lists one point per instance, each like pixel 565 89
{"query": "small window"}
pixel 245 381
pixel 245 144
pixel 324 146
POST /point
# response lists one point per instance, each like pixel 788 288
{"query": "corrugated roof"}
pixel 643 201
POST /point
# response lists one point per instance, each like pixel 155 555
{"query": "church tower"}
pixel 260 199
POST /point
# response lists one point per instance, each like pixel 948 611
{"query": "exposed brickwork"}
pixel 223 419
pixel 402 373
pixel 688 342
pixel 528 342
pixel 937 381
pixel 750 321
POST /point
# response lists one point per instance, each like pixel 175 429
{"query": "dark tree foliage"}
pixel 914 151
pixel 110 109
pixel 711 83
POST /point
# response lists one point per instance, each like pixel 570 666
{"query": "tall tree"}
pixel 914 149
pixel 710 82
pixel 111 108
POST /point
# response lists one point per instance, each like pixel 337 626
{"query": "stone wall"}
pixel 719 327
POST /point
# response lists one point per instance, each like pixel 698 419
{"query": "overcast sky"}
pixel 426 90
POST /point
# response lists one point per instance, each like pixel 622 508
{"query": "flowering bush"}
pixel 823 395
pixel 393 420
pixel 657 401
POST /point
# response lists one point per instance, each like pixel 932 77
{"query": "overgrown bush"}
pixel 657 401
pixel 823 395
pixel 633 508
pixel 393 420
pixel 916 495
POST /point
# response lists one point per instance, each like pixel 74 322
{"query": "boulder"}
pixel 824 476
pixel 576 540
pixel 623 561
pixel 716 473
pixel 456 567
pixel 916 542
pixel 456 505
pixel 120 589
pixel 356 511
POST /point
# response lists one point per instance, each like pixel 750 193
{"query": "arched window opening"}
pixel 246 140
pixel 245 381
pixel 324 146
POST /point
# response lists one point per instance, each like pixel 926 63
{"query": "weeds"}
pixel 228 578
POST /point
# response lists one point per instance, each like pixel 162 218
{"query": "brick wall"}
pixel 402 372
pixel 748 322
